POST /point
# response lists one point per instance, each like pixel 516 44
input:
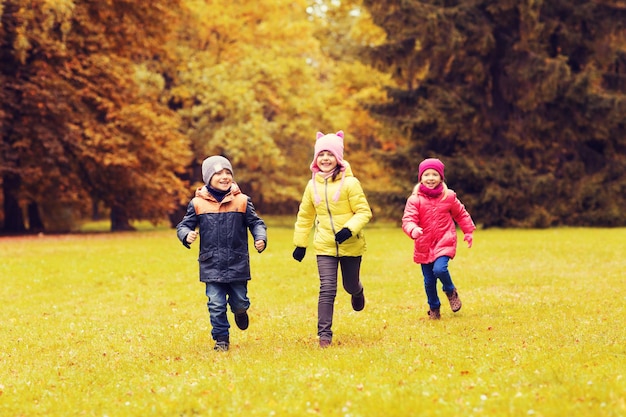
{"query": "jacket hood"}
pixel 346 171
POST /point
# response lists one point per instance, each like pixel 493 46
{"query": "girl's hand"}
pixel 298 253
pixel 417 232
pixel 343 235
pixel 259 245
pixel 191 237
pixel 469 239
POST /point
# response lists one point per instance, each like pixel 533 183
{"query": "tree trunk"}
pixel 95 211
pixel 35 224
pixel 177 215
pixel 13 216
pixel 119 220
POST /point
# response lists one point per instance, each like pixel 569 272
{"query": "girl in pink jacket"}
pixel 429 219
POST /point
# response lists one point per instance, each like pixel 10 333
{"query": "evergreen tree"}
pixel 524 102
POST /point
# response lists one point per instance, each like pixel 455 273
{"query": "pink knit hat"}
pixel 333 143
pixel 431 163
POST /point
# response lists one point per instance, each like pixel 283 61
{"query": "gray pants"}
pixel 328 269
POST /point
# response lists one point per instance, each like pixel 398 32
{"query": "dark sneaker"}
pixel 455 301
pixel 324 343
pixel 434 314
pixel 358 301
pixel 221 346
pixel 242 320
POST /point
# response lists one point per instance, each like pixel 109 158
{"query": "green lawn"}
pixel 116 325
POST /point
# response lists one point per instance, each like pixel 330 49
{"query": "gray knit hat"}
pixel 214 164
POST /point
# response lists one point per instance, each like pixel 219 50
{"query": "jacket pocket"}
pixel 422 244
pixel 205 256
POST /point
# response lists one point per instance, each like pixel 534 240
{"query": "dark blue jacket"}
pixel 223 232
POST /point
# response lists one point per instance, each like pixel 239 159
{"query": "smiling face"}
pixel 431 178
pixel 222 180
pixel 326 161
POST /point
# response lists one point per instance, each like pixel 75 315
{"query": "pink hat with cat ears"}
pixel 333 143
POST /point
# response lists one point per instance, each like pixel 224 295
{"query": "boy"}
pixel 223 215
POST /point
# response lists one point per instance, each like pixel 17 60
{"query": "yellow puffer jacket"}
pixel 351 210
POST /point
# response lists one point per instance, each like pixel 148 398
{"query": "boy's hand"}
pixel 191 236
pixel 469 239
pixel 259 245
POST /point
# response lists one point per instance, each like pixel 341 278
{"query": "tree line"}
pixel 525 101
pixel 108 108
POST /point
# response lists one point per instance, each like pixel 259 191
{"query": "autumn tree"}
pixel 345 29
pixel 524 101
pixel 80 119
pixel 255 85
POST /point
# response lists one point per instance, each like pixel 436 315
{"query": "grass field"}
pixel 113 325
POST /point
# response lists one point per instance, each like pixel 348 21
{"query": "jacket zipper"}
pixel 330 215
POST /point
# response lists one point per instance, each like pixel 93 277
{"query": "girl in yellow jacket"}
pixel 335 204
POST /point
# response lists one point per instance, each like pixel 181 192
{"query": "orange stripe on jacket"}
pixel 237 203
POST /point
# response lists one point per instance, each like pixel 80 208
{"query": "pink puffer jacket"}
pixel 436 216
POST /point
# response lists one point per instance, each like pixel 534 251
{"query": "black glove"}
pixel 343 235
pixel 298 253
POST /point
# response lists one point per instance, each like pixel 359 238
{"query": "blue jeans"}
pixel 432 272
pixel 219 295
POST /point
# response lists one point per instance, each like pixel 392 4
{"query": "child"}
pixel 335 203
pixel 222 214
pixel 429 217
